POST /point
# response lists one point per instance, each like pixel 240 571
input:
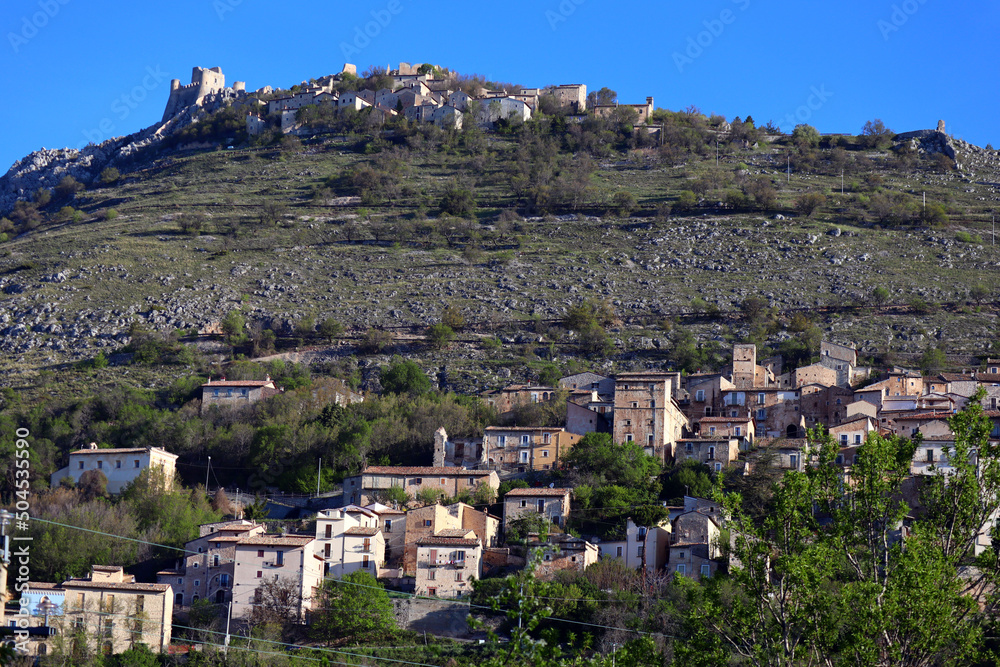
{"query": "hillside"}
pixel 347 223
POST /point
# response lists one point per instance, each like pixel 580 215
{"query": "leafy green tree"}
pixel 875 134
pixel 879 297
pixel 805 136
pixel 459 201
pixel 355 608
pixel 375 340
pixel 394 496
pixel 453 318
pixel 330 329
pixel 234 328
pixel 109 175
pixel 933 360
pixel 754 310
pixel 689 477
pixel 405 377
pixel 440 335
pixel 809 202
pixel 979 293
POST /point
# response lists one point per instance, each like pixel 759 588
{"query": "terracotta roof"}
pixel 107 568
pixel 222 538
pixel 129 450
pixel 723 420
pixel 432 541
pixel 924 415
pixel 277 540
pixel 513 493
pixel 42 585
pixel 461 533
pixel 389 510
pixel 238 383
pixel 170 573
pixel 956 377
pixel 87 583
pixel 527 429
pixel 361 530
pixel 424 470
pixel 988 377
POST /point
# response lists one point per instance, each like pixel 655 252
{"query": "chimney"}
pixel 92 445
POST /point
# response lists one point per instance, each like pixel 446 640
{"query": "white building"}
pixel 120 466
pixel 349 539
pixel 289 558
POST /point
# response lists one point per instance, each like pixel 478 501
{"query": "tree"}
pixel 875 134
pixel 375 340
pixel 109 175
pixel 276 601
pixel 624 202
pixel 191 223
pixel 355 608
pixel 686 201
pixel 754 310
pixel 68 187
pixel 933 360
pixel 404 377
pixel 440 335
pixel 330 329
pixel 458 201
pixel 809 202
pixel 452 317
pixel 93 484
pixel 603 97
pixel 234 328
pixel 394 496
pixel 879 297
pixel 979 293
pixel 805 136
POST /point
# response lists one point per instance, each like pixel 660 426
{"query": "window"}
pixel 524 503
pixel 649 440
pixel 857 438
pixel 640 550
pixel 718 467
pixel 635 404
pixel 432 592
pixel 843 438
pixel 224 580
pixel 388 526
pixel 427 523
pixel 681 555
pixel 525 440
pixel 930 456
pixel 326 550
pixel 761 414
pixel 793 461
pixel 443 481
pixel 418 481
pixel 738 431
pixel 100 464
pixel 458 576
pixel 432 574
pixel 711 430
pixel 699 395
pixel 523 457
pixel 329 531
pixel 502 441
pixel 546 438
pixel 708 410
pixel 215 560
pixel 541 506
pixel 135 463
pixel 195 565
pixel 681 568
pixel 706 570
pixel 365 561
pixel 548 557
pixel 197 583
pixel 618 552
pixel 761 399
pixel 81 465
pixel 367 544
pixel 545 453
pixel 840 459
pixel 629 437
pixel 118 464
pixel 259 574
pixel 628 422
pixel 733 413
pixel 260 553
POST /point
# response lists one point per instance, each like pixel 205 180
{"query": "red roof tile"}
pixel 428 471
pixel 513 493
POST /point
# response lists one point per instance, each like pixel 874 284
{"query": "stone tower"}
pixel 744 365
pixel 440 441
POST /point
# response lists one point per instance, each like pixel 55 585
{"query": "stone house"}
pixel 236 393
pixel 412 479
pixel 492 110
pixel 603 385
pixel 114 610
pixel 588 413
pixel 649 542
pixel 459 99
pixel 393 524
pixel 822 404
pixel 644 111
pixel 853 432
pixel 554 504
pixel 349 539
pixel 119 466
pixel 740 427
pixel 646 412
pixel 858 408
pixel 776 412
pixel 448 118
pixel 287 558
pixel 458 452
pixel 703 395
pixel 717 452
pixel 843 360
pixel 207 571
pixel 439 519
pixel 814 374
pixel 562 553
pixel 523 448
pixel 694 550
pixel 446 565
pixel 506 399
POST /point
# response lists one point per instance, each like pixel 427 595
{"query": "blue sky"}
pixel 74 70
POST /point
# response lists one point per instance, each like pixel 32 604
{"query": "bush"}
pixel 190 223
pixel 453 318
pixel 109 175
pixel 404 377
pixel 330 328
pixel 809 202
pixel 439 335
pixel 109 214
pixel 624 202
pixel 68 187
pixel 375 340
pixel 458 201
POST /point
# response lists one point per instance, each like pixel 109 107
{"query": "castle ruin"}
pixel 205 84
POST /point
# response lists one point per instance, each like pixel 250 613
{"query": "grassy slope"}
pixel 139 266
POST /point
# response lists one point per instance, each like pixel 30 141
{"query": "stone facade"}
pixel 413 479
pixel 646 412
pixel 523 449
pixel 288 558
pixel 437 519
pixel 446 566
pixel 554 504
pixel 235 393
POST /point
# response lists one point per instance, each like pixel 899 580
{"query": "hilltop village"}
pixel 420 93
pixel 481 506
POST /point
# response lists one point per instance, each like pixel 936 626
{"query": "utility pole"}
pixel 716 152
pixel 994 229
pixel 207 469
pixel 841 181
pixel 229 615
pixel 6 518
pixel 319 471
pixel 788 158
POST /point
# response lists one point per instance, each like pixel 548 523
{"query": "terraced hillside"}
pixel 351 227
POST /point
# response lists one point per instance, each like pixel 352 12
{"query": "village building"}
pixel 561 553
pixel 553 504
pixel 448 482
pixel 694 549
pixel 349 539
pixel 447 564
pixel 646 412
pixel 438 520
pixel 289 559
pixel 119 466
pixel 207 571
pixel 236 393
pixel 642 544
pixel 511 449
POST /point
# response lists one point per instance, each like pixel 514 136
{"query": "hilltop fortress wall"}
pixel 204 82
